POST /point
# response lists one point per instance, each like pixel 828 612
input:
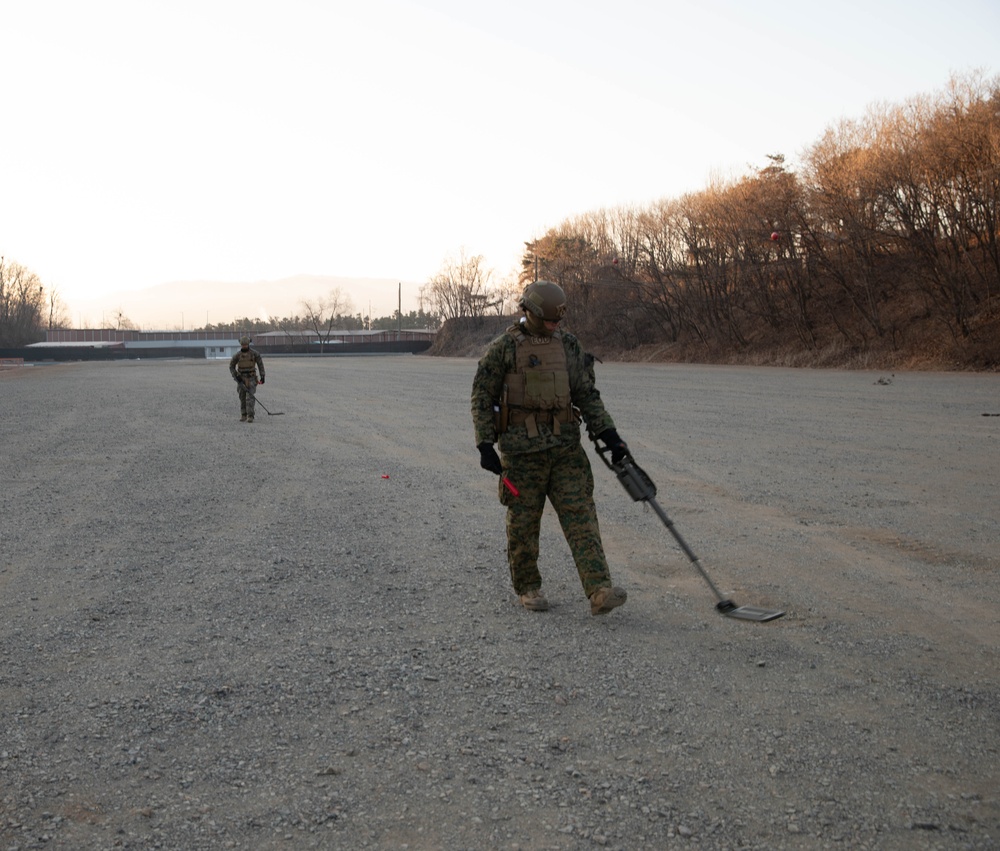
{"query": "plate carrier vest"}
pixel 538 390
pixel 246 362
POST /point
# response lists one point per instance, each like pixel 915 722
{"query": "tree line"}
pixel 27 309
pixel 886 237
pixel 322 316
pixel 326 324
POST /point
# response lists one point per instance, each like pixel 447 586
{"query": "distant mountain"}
pixel 193 304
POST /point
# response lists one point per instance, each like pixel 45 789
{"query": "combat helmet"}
pixel 244 341
pixel 544 299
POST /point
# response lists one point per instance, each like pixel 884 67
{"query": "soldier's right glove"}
pixel 236 378
pixel 611 438
pixel 488 458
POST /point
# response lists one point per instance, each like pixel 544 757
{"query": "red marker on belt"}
pixel 507 483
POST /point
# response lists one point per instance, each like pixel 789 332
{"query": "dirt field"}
pixel 300 633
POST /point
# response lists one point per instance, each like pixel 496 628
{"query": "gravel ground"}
pixel 300 633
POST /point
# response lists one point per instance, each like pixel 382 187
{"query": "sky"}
pixel 152 141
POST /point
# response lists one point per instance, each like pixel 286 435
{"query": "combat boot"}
pixel 606 598
pixel 534 600
pixel 249 419
pixel 243 418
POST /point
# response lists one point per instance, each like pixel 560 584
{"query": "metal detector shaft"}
pixel 683 545
pixel 266 411
pixel 258 402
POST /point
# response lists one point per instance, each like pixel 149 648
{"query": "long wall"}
pixel 262 341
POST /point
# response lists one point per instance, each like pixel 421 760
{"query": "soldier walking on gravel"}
pixel 244 366
pixel 531 389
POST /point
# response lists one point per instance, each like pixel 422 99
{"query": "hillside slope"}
pixel 912 343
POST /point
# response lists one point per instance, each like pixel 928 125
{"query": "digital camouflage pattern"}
pixel 564 475
pixel 553 466
pixel 487 388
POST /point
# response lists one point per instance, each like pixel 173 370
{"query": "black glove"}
pixel 488 458
pixel 261 380
pixel 611 438
pixel 236 378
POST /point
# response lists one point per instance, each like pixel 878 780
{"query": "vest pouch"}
pixel 539 390
pixel 562 389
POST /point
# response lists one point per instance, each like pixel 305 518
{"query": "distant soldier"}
pixel 244 366
pixel 530 390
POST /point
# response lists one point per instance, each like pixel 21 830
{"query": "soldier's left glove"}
pixel 488 458
pixel 618 447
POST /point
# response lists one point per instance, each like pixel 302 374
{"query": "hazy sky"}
pixel 148 141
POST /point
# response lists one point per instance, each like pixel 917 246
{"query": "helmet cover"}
pixel 544 299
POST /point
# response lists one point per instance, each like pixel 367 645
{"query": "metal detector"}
pixel 641 488
pixel 258 402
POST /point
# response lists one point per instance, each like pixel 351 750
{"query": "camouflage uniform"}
pixel 544 458
pixel 244 366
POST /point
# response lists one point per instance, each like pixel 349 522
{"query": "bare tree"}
pixel 507 292
pixel 58 317
pixel 122 322
pixel 323 314
pixel 658 268
pixel 847 235
pixel 22 302
pixel 942 159
pixel 462 289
